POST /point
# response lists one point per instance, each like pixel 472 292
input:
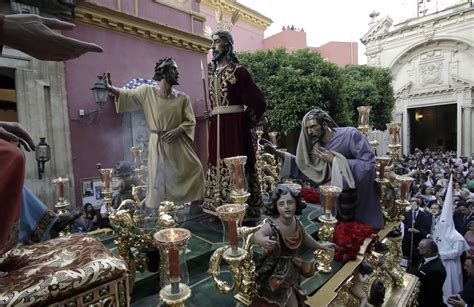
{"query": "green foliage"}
pixel 294 83
pixel 298 81
pixel 367 85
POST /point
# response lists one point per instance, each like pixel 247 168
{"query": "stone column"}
pixel 459 127
pixel 467 131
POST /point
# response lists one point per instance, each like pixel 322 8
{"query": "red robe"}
pixel 233 86
pixel 12 170
pixel 236 87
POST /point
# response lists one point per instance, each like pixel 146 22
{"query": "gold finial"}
pixel 223 25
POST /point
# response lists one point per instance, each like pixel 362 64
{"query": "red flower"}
pixel 310 195
pixel 349 236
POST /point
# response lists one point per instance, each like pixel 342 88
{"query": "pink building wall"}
pixel 125 57
pixel 340 53
pixel 286 39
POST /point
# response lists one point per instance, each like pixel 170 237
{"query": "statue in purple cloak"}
pixel 341 156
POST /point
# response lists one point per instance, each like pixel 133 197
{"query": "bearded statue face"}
pixel 219 47
pixel 172 74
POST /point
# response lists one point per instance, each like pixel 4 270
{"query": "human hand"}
pixel 207 115
pixel 34 35
pixel 456 300
pixel 413 230
pixel 268 146
pixel 323 153
pixel 172 135
pixel 11 131
pixel 327 246
pixel 267 243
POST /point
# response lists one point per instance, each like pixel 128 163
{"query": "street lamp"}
pixel 43 155
pixel 100 92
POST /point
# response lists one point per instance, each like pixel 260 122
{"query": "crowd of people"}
pixel 439 225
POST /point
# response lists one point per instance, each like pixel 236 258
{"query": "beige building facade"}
pixel 432 62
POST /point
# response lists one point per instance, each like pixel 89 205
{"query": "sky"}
pixel 336 20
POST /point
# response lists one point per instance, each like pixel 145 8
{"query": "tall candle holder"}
pixel 106 176
pixel 231 216
pixel 139 169
pixel 172 243
pixel 402 202
pixel 273 138
pixel 364 120
pixel 329 197
pixel 383 185
pixel 394 140
pixel 62 206
pixel 238 180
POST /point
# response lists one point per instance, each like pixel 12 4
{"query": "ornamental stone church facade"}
pixel 432 61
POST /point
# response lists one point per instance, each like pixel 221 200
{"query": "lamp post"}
pixel 43 155
pixel 100 92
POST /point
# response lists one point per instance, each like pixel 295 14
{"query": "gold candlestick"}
pixel 62 206
pixel 382 162
pixel 238 180
pixel 402 201
pixel 394 140
pixel 232 215
pixel 273 138
pixel 137 159
pixel 329 196
pixel 172 243
pixel 364 120
pixel 106 176
pixel 139 169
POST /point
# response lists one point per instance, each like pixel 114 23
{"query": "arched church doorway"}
pixel 433 127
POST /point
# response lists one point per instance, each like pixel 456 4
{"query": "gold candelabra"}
pixel 135 231
pixel 62 206
pixel 240 259
pixel 172 243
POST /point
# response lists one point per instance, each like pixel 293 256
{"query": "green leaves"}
pixel 367 85
pixel 298 81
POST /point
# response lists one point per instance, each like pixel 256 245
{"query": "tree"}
pixel 294 83
pixel 372 86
